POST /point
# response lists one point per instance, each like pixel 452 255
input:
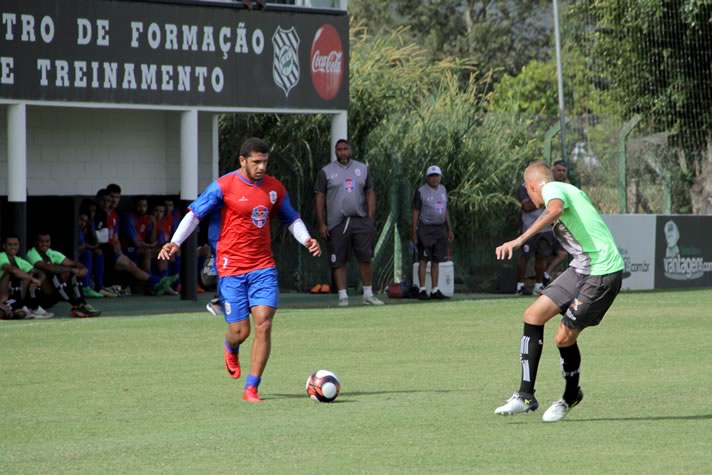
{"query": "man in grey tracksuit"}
pixel 345 210
pixel 431 230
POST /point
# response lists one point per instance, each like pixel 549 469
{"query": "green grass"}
pixel 419 388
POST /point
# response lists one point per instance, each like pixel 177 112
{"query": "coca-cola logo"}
pixel 327 62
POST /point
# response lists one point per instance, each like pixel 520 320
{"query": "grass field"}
pixel 419 386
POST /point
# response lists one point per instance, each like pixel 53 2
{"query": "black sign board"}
pixel 683 252
pixel 128 52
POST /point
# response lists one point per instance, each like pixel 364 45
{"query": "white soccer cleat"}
pixel 213 307
pixel 558 410
pixel 343 302
pixel 41 314
pixel 371 300
pixel 517 404
pixel 29 315
pixel 538 289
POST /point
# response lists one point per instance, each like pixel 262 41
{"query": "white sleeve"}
pixel 299 231
pixel 185 228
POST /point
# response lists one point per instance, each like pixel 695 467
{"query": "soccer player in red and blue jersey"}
pixel 247 199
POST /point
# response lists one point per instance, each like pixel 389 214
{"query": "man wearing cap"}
pixel 431 229
pixel 345 211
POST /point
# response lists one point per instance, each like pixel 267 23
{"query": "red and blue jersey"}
pixel 243 243
pixel 112 223
pixel 138 228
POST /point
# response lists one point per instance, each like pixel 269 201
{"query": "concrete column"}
pixel 17 171
pixel 339 130
pixel 188 193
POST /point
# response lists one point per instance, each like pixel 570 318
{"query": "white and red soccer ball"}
pixel 323 386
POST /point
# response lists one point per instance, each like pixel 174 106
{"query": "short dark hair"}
pixel 41 232
pixel 253 145
pixel 341 141
pixel 113 188
pixel 103 192
pixel 560 162
pixel 10 236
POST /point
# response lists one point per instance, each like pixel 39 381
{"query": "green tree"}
pixel 535 91
pixel 499 36
pixel 655 57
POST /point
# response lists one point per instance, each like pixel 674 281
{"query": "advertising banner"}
pixel 635 237
pixel 130 52
pixel 683 252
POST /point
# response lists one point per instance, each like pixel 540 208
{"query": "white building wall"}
pixel 77 151
pixel 3 150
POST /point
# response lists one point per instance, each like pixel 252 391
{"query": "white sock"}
pixel 423 289
pixel 435 289
pixel 368 291
pixel 539 285
pixel 547 276
pixel 343 295
pixel 520 285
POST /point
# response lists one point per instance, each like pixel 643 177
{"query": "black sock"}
pixel 570 367
pixel 530 348
pixel 33 300
pixel 61 287
pixel 77 291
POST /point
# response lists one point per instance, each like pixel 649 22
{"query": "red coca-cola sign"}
pixel 327 62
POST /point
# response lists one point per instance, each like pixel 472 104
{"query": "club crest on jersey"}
pixel 349 184
pixel 259 216
pixel 357 172
pixel 273 197
pixel 440 206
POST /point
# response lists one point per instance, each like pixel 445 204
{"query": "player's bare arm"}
pixel 414 226
pixel 20 274
pixel 550 215
pixel 371 204
pixel 55 268
pixel 168 250
pixel 186 227
pixel 320 215
pixel 313 247
pixel 450 232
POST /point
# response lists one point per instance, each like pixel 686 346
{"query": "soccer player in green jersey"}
pixel 62 277
pixel 582 294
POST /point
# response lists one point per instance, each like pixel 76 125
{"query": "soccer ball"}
pixel 323 386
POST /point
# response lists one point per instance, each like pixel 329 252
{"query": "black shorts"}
pixel 558 246
pixel 432 242
pixel 354 233
pixel 541 244
pixel 584 299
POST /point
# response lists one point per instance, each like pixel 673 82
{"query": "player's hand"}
pixel 81 271
pixel 324 231
pixel 313 247
pixel 168 250
pixel 506 250
pixel 412 246
pixel 450 236
pixel 35 281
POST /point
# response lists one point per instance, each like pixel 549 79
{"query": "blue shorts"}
pixel 239 293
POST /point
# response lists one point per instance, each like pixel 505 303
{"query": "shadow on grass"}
pixel 701 417
pixel 359 394
pixel 647 418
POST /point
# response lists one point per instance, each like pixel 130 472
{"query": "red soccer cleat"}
pixel 250 394
pixel 232 363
